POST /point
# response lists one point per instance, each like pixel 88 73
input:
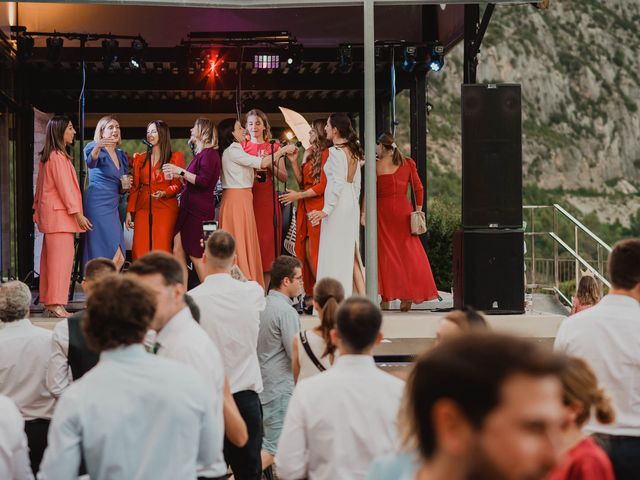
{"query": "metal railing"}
pixel 570 255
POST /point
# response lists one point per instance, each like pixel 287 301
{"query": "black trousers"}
pixel 246 462
pixel 36 431
pixel 624 453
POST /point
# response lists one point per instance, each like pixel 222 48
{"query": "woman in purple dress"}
pixel 197 202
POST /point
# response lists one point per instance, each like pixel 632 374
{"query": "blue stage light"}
pixel 436 62
pixel 409 58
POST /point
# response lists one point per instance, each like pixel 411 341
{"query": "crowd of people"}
pixel 152 381
pixel 167 202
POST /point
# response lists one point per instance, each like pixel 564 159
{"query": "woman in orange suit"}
pixel 163 193
pixel 57 206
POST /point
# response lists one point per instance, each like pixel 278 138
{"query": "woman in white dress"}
pixel 339 252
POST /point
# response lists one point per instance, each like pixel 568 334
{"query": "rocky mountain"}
pixel 579 66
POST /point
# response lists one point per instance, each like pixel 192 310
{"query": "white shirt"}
pixel 58 371
pixel 135 416
pixel 339 421
pixel 230 314
pixel 237 167
pixel 183 340
pixel 14 452
pixel 24 355
pixel 607 336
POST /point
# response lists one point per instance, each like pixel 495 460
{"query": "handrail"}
pixel 561 295
pixel 580 259
pixel 581 227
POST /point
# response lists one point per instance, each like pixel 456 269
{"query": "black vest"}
pixel 81 359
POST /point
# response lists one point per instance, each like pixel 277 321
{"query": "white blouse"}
pixel 237 167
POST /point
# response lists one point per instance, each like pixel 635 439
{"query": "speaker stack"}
pixel 488 257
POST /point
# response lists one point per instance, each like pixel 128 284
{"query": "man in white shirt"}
pixel 230 312
pixel 14 453
pixel 607 336
pixel 340 420
pixel 134 415
pixel 180 338
pixel 24 353
pixel 70 356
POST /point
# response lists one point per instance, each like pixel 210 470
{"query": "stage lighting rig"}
pixel 138 46
pixel 409 58
pixel 295 55
pixel 345 58
pixel 54 49
pixel 436 62
pixel 109 51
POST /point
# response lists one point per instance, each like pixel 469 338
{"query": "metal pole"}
pixel 533 249
pixel 556 273
pixel 371 228
pixel 575 229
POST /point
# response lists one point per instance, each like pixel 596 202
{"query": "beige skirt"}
pixel 237 218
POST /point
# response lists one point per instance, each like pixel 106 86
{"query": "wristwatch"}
pixel 182 172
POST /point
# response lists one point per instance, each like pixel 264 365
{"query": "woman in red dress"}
pixel 259 130
pixel 403 267
pixel 163 193
pixel 584 459
pixel 312 181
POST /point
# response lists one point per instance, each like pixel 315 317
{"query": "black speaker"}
pixel 488 270
pixel 491 156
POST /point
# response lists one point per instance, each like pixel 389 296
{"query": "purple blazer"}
pixel 197 199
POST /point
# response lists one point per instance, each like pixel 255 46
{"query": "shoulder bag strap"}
pixel 310 354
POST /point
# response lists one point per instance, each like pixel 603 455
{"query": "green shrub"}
pixel 442 222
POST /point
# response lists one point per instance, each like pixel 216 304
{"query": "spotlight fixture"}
pixel 138 47
pixel 54 49
pixel 409 58
pixel 25 47
pixel 266 61
pixel 294 58
pixel 436 61
pixel 345 58
pixel 109 51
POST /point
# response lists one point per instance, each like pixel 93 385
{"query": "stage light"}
pixel 54 49
pixel 409 58
pixel 345 58
pixel 436 62
pixel 294 59
pixel 289 135
pixel 109 51
pixel 138 47
pixel 266 61
pixel 25 47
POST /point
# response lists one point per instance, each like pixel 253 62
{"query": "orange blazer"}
pixel 139 194
pixel 57 197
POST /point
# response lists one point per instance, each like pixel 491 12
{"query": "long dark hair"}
pixel 164 142
pixel 328 293
pixel 225 134
pixel 389 143
pixel 318 147
pixel 342 123
pixel 54 138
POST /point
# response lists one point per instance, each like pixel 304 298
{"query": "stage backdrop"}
pixel 40 120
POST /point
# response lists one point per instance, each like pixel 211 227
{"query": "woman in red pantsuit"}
pixel 403 267
pixel 312 181
pixel 163 193
pixel 57 206
pixel 259 130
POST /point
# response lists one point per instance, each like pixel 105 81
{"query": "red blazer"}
pixel 57 197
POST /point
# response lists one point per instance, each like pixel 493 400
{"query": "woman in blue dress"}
pixel 107 165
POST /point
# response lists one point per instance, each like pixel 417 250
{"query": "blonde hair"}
pixel 254 112
pixel 588 292
pixel 581 388
pixel 102 124
pixel 205 133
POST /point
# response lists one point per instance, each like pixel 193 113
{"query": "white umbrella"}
pixel 298 124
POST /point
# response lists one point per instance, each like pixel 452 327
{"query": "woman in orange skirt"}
pixel 57 206
pixel 312 181
pixel 164 189
pixel 236 210
pixel 259 130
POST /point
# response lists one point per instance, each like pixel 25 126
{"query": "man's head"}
pixel 94 270
pixel 624 267
pixel 220 252
pixel 358 323
pixel 163 275
pixel 489 404
pixel 15 300
pixel 460 321
pixel 119 313
pixel 286 276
